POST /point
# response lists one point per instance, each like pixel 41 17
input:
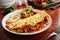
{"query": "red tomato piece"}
pixel 42 1
pixel 39 1
pixel 30 30
pixel 37 26
pixel 46 19
pixel 25 15
pixel 24 27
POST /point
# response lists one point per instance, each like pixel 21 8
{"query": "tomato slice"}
pixel 25 15
pixel 30 30
pixel 24 27
pixel 37 26
pixel 42 1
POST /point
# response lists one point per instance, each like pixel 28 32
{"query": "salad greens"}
pixel 8 10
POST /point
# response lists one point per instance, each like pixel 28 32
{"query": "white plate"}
pixel 18 11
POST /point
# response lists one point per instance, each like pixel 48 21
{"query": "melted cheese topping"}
pixel 14 18
pixel 32 20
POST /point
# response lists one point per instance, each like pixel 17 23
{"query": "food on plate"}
pixel 28 21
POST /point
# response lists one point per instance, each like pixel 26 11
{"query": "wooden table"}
pixel 4 35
